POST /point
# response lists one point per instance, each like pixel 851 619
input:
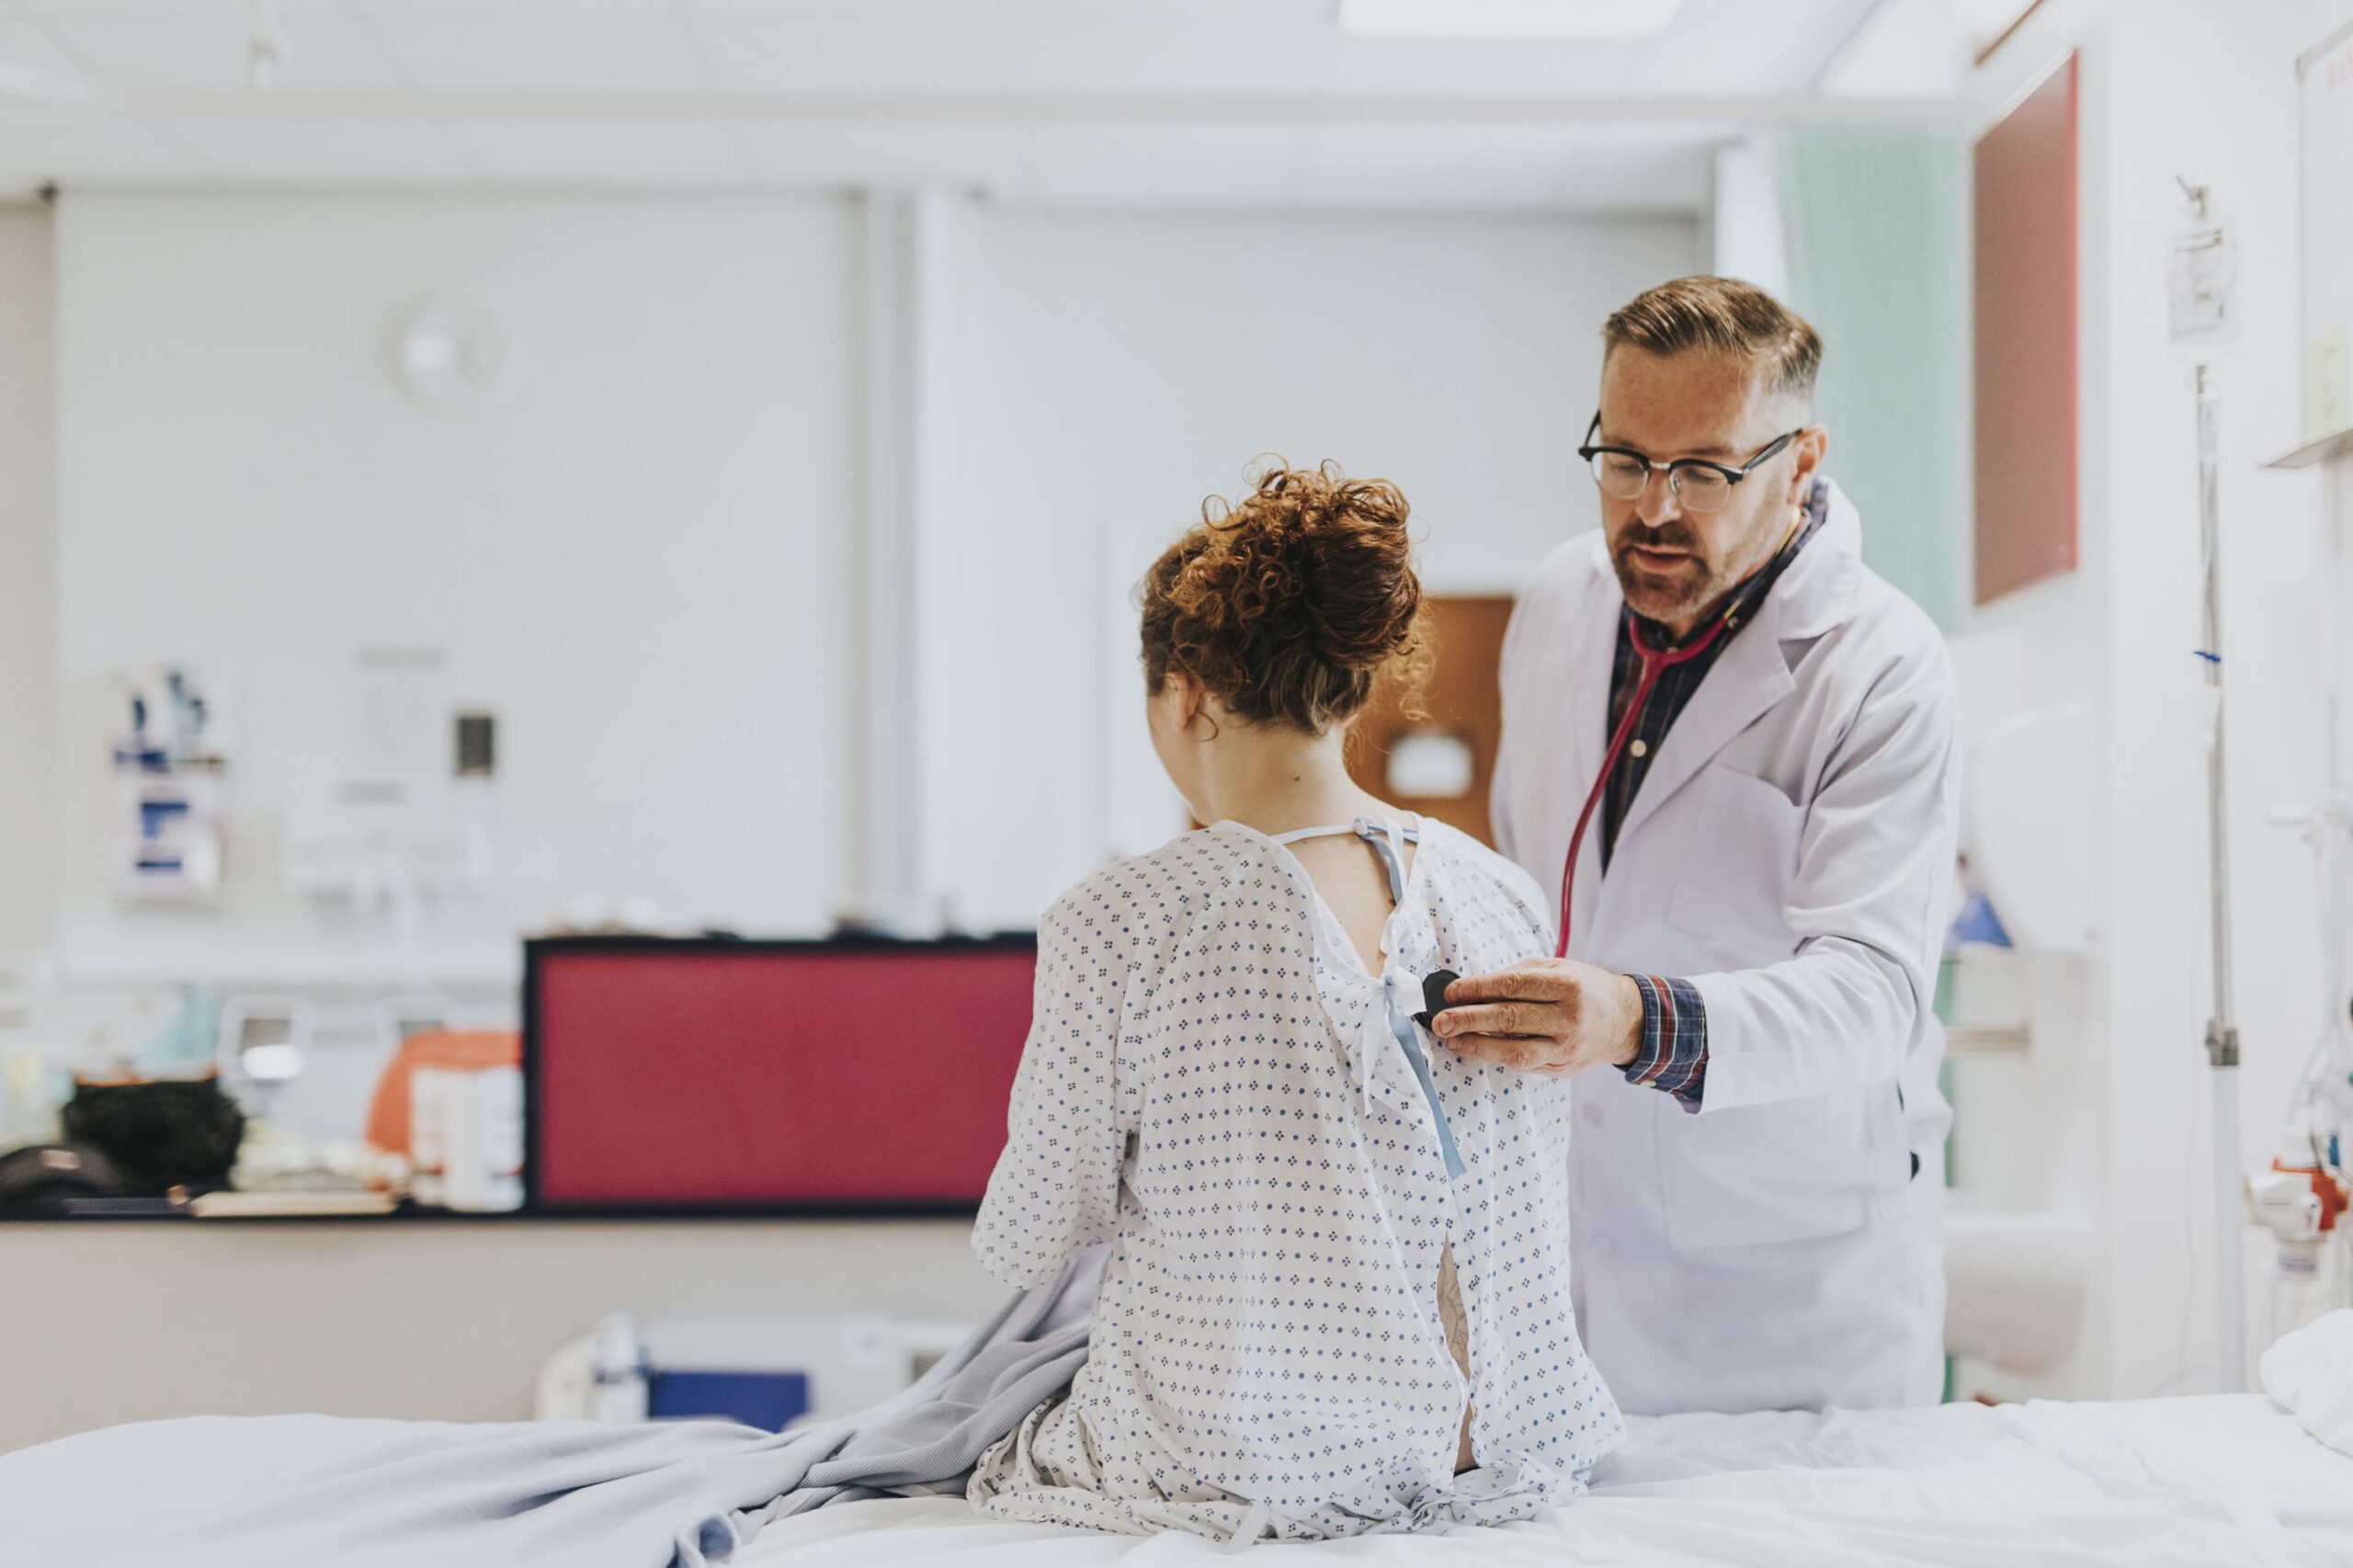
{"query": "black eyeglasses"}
pixel 1703 486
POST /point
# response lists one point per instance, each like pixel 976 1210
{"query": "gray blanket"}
pixel 320 1492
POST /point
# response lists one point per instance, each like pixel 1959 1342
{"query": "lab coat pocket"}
pixel 1782 1171
pixel 1890 1151
pixel 1741 855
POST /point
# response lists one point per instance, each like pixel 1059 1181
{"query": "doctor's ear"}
pixel 1810 446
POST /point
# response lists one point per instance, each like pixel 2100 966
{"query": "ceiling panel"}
pixel 766 53
pixel 1203 165
pixel 1283 53
pixel 1728 48
pixel 392 13
pixel 899 14
pixel 238 11
pixel 634 155
pixel 209 52
pixel 584 53
pixel 1103 52
pixel 86 145
pixel 1232 17
pixel 328 153
pixel 1919 49
pixel 30 59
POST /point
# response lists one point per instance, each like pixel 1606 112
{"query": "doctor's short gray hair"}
pixel 1721 316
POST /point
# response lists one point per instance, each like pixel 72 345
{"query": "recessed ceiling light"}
pixel 1505 18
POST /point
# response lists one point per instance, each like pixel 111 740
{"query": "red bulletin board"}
pixel 769 1076
pixel 2025 330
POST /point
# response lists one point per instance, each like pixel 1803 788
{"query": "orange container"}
pixel 457 1049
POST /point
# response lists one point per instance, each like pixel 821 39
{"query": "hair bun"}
pixel 1287 602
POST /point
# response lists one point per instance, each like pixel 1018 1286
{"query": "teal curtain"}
pixel 1874 227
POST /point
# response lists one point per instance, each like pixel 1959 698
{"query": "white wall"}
pixel 638 559
pixel 1120 369
pixel 2166 91
pixel 28 541
pixel 645 559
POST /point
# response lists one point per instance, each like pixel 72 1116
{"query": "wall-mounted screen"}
pixel 861 1075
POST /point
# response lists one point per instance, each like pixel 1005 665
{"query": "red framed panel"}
pixel 2025 333
pixel 774 1078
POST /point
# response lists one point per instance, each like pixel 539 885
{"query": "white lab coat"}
pixel 1787 853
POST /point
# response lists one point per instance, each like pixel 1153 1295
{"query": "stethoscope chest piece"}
pixel 1434 1000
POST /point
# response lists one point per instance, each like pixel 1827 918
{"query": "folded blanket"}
pixel 2310 1372
pixel 312 1490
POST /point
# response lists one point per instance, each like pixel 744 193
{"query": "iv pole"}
pixel 2221 1030
pixel 2200 290
pixel 2200 300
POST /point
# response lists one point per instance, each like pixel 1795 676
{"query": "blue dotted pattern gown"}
pixel 1216 1084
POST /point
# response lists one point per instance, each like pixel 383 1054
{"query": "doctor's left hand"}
pixel 1544 1016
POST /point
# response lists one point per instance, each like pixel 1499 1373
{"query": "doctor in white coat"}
pixel 1760 738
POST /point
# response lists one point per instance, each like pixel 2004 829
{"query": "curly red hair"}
pixel 1287 604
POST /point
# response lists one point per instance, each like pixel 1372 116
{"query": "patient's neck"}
pixel 1275 779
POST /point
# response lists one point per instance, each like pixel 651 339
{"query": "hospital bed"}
pixel 2218 1482
pixel 2228 1481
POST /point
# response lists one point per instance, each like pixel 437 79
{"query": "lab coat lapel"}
pixel 1753 674
pixel 1593 648
pixel 1745 682
pixel 1593 645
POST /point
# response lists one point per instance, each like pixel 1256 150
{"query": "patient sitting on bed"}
pixel 1336 1298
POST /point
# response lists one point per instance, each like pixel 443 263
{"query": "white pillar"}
pixel 911 412
pixel 886 718
pixel 1744 236
pixel 28 577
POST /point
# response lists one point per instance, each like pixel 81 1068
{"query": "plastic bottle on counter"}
pixel 428 1144
pixel 28 1110
pixel 482 1128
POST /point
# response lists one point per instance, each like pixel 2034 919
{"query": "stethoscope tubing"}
pixel 1656 662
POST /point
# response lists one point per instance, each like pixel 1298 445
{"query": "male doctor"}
pixel 1757 901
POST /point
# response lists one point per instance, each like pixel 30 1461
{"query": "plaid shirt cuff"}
pixel 1673 1056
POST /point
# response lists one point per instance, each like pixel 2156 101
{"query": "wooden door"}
pixel 1442 766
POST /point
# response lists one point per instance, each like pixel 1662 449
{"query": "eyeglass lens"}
pixel 1623 478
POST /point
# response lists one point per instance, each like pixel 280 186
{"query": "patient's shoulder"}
pixel 1468 875
pixel 1143 903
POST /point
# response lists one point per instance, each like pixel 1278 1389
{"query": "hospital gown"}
pixel 1212 1083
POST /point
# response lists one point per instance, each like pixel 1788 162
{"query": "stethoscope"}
pixel 1656 662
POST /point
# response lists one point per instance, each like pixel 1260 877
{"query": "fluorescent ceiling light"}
pixel 1505 18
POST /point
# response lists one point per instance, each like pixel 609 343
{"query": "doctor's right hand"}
pixel 1556 1016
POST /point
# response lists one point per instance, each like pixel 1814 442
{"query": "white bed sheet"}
pixel 2218 1482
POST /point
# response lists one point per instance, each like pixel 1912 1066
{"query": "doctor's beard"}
pixel 1665 591
pixel 1682 593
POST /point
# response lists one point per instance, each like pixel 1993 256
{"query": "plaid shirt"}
pixel 1674 1053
